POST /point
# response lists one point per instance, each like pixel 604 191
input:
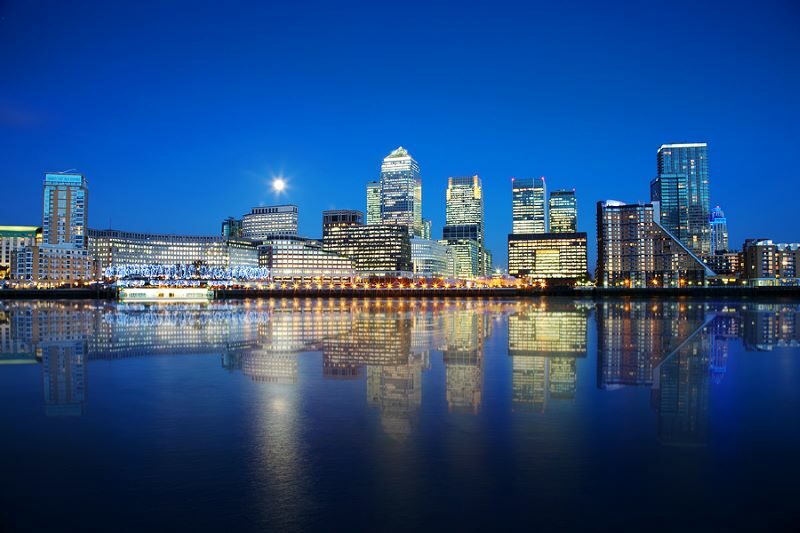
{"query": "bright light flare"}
pixel 279 185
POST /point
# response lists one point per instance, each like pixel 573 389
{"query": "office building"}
pixel 401 192
pixel 464 257
pixel 528 205
pixel 670 193
pixel 767 263
pixel 427 228
pixel 464 223
pixel 725 263
pixel 633 250
pixel 340 217
pixel 264 222
pixel 690 160
pixel 65 212
pixel 374 202
pixel 563 209
pixel 719 231
pixel 430 259
pixel 12 240
pixel 382 250
pixel 548 256
pixel 300 259
pixel 232 228
pixel 114 248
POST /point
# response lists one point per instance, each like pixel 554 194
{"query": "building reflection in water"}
pixel 677 349
pixel 544 338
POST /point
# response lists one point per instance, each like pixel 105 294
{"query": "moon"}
pixel 279 185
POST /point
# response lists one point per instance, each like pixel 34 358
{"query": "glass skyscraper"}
pixel 65 209
pixel 719 231
pixel 563 212
pixel 690 160
pixel 528 205
pixel 464 218
pixel 374 202
pixel 671 191
pixel 401 191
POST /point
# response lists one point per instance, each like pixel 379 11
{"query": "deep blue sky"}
pixel 179 113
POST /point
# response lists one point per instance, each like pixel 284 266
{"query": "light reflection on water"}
pixel 429 371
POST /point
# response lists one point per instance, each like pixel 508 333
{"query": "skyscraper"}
pixel 401 191
pixel 65 209
pixel 719 231
pixel 691 160
pixel 563 212
pixel 528 205
pixel 464 219
pixel 672 194
pixel 374 202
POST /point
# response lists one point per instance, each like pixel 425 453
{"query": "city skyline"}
pixel 582 108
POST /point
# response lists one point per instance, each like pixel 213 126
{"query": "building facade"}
pixel 430 259
pixel 767 263
pixel 528 205
pixel 265 222
pixel 401 191
pixel 114 248
pixel 374 202
pixel 464 222
pixel 633 250
pixel 65 209
pixel 304 260
pixel 719 231
pixel 670 193
pixel 13 239
pixel 52 265
pixel 548 256
pixel 563 208
pixel 382 250
pixel 690 160
pixel 232 228
pixel 341 217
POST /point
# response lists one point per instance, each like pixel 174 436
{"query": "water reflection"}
pixel 678 349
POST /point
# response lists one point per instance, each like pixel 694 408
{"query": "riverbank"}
pixel 741 293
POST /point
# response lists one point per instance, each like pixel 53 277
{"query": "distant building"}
pixel 464 221
pixel 767 263
pixel 633 250
pixel 427 227
pixel 114 248
pixel 430 259
pixel 548 256
pixel 528 205
pixel 690 160
pixel 719 231
pixel 12 240
pixel 376 249
pixel 563 211
pixel 341 217
pixel 465 257
pixel 374 202
pixel 725 263
pixel 65 209
pixel 264 222
pixel 300 259
pixel 232 228
pixel 401 191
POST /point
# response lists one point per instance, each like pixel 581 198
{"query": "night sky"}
pixel 180 113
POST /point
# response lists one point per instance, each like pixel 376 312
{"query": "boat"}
pixel 165 294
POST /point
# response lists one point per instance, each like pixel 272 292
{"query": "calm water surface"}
pixel 399 415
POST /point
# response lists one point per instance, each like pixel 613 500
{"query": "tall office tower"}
pixel 374 202
pixel 427 227
pixel 528 205
pixel 691 160
pixel 264 222
pixel 65 209
pixel 719 231
pixel 670 192
pixel 464 219
pixel 336 218
pixel 401 191
pixel 563 212
pixel 634 250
